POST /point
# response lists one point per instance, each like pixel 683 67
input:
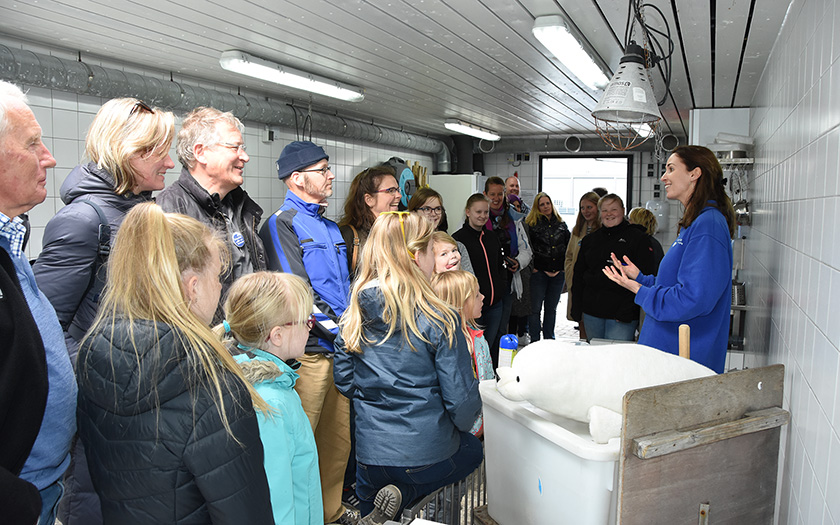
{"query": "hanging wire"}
pixel 655 53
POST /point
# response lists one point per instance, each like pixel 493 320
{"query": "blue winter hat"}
pixel 297 155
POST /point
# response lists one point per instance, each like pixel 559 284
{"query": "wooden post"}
pixel 685 341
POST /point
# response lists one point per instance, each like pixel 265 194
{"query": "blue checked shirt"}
pixel 14 231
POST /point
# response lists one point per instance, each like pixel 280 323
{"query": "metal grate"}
pixel 452 504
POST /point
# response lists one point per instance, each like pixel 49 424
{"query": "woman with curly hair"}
pixel 373 191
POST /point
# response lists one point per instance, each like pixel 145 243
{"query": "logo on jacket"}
pixel 238 240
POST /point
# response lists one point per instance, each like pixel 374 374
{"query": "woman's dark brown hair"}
pixel 356 211
pixel 710 186
pixel 419 199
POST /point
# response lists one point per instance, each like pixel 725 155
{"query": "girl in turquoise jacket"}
pixel 267 318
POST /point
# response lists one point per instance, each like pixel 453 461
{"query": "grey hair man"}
pixel 37 385
pixel 212 152
pixel 512 188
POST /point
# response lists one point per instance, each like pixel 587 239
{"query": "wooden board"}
pixel 736 477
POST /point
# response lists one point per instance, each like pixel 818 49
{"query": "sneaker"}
pixel 385 506
pixel 349 497
pixel 524 340
pixel 349 517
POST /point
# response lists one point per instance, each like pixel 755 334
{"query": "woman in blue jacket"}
pixel 693 283
pixel 404 363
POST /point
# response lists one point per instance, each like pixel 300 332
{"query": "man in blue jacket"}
pixel 37 385
pixel 300 240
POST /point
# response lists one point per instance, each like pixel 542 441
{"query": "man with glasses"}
pixel 300 240
pixel 212 153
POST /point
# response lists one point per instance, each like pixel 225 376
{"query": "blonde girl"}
pixel 459 289
pixel 267 322
pixel 165 415
pixel 448 254
pixel 403 361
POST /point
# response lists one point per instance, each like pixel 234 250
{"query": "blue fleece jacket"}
pixel 300 240
pixel 693 287
pixel 291 459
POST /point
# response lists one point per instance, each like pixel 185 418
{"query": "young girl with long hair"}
pixel 459 289
pixel 405 365
pixel 485 255
pixel 267 321
pixel 164 412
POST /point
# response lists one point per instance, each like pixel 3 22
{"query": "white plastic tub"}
pixel 543 469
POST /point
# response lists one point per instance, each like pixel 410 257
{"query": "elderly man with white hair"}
pixel 37 385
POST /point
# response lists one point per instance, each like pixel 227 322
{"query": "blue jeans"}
pixel 612 329
pixel 546 291
pixel 50 496
pixel 491 322
pixel 417 482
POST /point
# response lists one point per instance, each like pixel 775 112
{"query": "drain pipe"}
pixel 35 69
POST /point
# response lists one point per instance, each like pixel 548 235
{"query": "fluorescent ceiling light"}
pixel 245 64
pixel 459 126
pixel 563 41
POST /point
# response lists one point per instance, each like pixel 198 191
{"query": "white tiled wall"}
pixel 793 262
pixel 65 118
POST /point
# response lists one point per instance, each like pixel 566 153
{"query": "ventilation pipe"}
pixel 556 144
pixel 34 69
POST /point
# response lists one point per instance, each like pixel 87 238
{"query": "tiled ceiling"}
pixel 419 61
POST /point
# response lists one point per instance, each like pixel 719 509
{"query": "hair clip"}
pixel 226 325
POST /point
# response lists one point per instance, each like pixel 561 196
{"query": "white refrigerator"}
pixel 455 190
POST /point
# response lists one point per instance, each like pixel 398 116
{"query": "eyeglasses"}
pixel 309 322
pixel 323 170
pixel 401 215
pixel 437 210
pixel 237 147
pixel 140 105
pixel 389 191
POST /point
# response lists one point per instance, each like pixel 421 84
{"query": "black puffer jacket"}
pixel 71 243
pixel 549 238
pixel 157 449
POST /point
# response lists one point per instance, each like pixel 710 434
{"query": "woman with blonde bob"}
pixel 127 148
pixel 405 364
pixel 163 410
pixel 268 317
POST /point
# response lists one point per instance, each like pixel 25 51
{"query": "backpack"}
pixel 102 253
pixel 405 179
